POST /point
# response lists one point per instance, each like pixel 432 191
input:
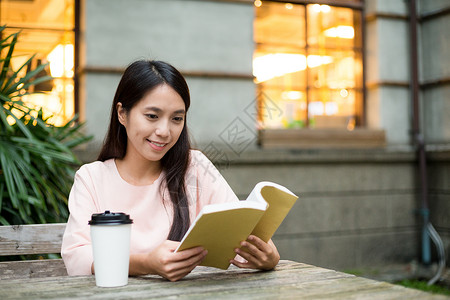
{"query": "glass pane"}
pixel 279 64
pixel 332 69
pixel 332 101
pixel 280 24
pixel 314 80
pixel 47 31
pixel 279 108
pixel 332 108
pixel 281 77
pixel 332 27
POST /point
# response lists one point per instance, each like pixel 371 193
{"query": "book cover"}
pixel 220 228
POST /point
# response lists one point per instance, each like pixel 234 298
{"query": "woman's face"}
pixel 154 123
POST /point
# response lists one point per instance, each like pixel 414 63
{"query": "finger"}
pixel 250 248
pixel 188 253
pixel 241 262
pixel 262 257
pixel 187 262
pixel 243 265
pixel 268 251
pixel 251 257
pixel 259 243
pixel 273 249
pixel 170 246
pixel 177 274
pixel 197 259
pixel 180 269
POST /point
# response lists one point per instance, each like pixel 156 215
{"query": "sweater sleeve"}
pixel 76 249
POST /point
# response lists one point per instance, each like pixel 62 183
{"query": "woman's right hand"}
pixel 165 262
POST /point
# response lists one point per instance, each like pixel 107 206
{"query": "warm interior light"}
pixel 315 108
pixel 258 3
pixel 56 96
pixel 343 93
pixel 11 121
pixel 61 61
pixel 323 96
pixel 317 8
pixel 278 64
pixel 292 95
pixel 325 8
pixel 341 31
pixel 318 60
pixel 331 108
pixel 51 104
pixel 351 124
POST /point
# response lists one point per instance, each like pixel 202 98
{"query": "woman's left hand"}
pixel 257 253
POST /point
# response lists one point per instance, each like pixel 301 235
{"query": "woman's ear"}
pixel 121 113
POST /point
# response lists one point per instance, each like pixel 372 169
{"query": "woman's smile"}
pixel 156 145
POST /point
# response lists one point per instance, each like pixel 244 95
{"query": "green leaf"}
pixel 4 222
pixel 7 173
pixel 5 121
pixel 20 124
pixel 28 79
pixel 13 77
pixel 37 164
pixel 2 189
pixel 7 59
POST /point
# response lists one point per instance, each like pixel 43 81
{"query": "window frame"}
pixel 76 40
pixel 361 136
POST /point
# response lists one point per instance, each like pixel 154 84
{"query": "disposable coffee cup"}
pixel 110 235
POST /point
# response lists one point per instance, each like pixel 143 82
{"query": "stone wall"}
pixel 388 104
pixel 434 42
pixel 210 42
pixel 439 196
pixel 355 208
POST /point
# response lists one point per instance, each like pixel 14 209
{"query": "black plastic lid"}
pixel 110 218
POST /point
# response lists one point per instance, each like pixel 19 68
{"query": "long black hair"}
pixel 138 79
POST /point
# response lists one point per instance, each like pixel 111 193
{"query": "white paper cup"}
pixel 110 235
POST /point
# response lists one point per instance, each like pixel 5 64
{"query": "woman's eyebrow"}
pixel 159 110
pixel 156 109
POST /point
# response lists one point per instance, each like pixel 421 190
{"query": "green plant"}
pixel 36 159
pixel 423 285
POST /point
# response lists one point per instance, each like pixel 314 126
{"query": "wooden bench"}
pixel 31 239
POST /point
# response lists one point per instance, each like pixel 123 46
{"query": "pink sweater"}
pixel 99 187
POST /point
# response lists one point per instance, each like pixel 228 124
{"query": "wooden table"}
pixel 290 280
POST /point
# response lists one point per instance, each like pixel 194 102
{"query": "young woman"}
pixel 147 169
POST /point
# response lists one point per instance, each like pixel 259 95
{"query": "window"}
pixel 308 65
pixel 47 30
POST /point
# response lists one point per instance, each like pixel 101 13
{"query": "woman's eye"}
pixel 152 116
pixel 178 119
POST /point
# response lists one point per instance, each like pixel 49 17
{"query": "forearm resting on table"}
pixel 139 265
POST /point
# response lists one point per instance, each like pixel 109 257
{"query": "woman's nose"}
pixel 162 129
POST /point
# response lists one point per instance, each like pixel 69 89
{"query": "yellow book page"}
pixel 220 233
pixel 280 203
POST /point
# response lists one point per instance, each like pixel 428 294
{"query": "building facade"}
pixel 335 124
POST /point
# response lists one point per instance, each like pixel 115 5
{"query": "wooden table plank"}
pixel 32 268
pixel 290 280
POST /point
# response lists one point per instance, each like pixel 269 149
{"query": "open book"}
pixel 220 228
